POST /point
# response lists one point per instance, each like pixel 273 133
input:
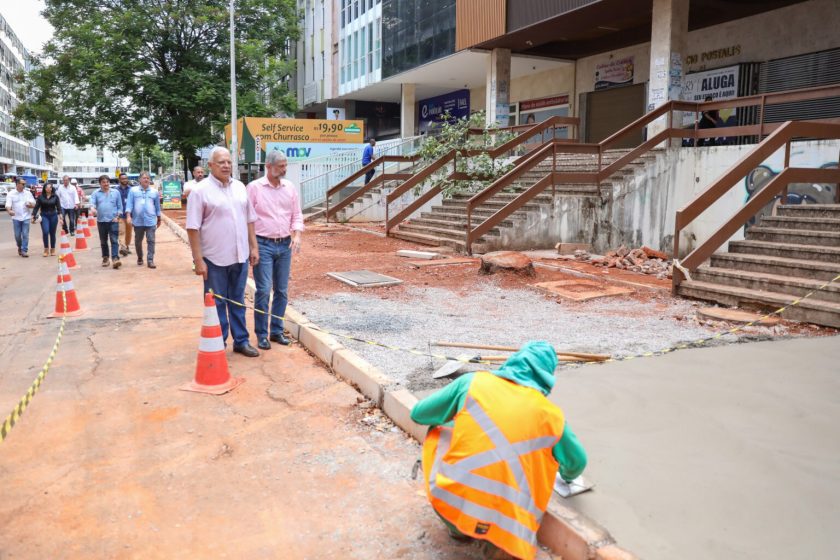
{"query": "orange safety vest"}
pixel 492 474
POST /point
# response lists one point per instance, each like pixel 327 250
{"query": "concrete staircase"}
pixel 782 258
pixel 446 224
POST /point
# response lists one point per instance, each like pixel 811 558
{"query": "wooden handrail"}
pixel 782 136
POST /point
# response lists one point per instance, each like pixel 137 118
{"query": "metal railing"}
pixel 512 146
pixel 667 110
pixel 782 136
pixel 319 174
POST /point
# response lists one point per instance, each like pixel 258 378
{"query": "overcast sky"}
pixel 26 21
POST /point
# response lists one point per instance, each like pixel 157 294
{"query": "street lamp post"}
pixel 234 140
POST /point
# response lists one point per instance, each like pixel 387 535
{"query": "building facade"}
pixel 18 156
pixel 86 164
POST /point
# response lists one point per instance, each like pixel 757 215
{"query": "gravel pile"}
pixel 615 326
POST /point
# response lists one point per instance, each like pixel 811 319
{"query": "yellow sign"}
pixel 298 130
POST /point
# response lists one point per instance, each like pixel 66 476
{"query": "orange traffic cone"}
pixel 92 221
pixel 65 291
pixel 211 369
pixel 81 236
pixel 67 253
pixel 88 234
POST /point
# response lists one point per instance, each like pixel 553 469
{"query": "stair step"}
pixel 800 268
pixel 801 223
pixel 460 222
pixel 427 239
pixel 808 310
pixel 804 237
pixel 810 210
pixel 762 281
pixel 447 232
pixel 786 250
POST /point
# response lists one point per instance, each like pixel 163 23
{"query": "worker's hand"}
pixel 255 256
pixel 296 244
pixel 158 223
pixel 201 268
pixel 11 212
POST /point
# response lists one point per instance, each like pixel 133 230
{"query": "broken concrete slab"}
pixel 580 290
pixel 736 316
pixel 506 260
pixel 364 279
pixel 566 248
pixel 426 255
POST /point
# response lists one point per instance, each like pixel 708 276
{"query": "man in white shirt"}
pixel 69 200
pixel 19 205
pixel 198 176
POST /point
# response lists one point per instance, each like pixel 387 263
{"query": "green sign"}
pixel 171 194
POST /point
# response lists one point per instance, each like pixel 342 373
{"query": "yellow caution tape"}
pixel 17 411
pixel 416 352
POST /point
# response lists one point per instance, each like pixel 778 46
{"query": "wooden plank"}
pixel 442 262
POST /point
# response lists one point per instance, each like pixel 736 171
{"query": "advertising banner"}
pixel 302 151
pixel 171 191
pixel 299 133
pixel 431 110
pixel 718 84
pixel 614 73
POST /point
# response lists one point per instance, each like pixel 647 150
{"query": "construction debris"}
pixel 425 255
pixel 580 290
pixel 446 261
pixel 506 260
pixel 643 260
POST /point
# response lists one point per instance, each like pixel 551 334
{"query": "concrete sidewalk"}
pixel 724 452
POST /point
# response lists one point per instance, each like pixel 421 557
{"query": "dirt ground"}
pixel 112 460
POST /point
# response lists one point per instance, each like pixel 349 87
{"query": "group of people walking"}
pixel 118 212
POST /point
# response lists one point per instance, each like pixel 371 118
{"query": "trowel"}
pixel 573 488
pixel 452 366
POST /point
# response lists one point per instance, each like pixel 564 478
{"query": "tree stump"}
pixel 506 260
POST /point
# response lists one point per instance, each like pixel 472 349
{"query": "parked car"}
pixel 4 190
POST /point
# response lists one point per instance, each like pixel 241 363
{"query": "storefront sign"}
pixel 171 194
pixel 713 55
pixel 614 73
pixel 433 109
pixel 533 104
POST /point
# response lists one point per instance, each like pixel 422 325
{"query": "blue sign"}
pixel 457 103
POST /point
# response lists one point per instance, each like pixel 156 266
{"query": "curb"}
pixel 564 530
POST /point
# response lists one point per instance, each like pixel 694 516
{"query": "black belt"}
pixel 274 239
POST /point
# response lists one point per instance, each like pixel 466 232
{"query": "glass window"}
pixel 362 44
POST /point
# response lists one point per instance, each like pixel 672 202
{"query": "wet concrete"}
pixel 111 460
pixel 723 452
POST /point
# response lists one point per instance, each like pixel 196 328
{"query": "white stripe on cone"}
pixel 215 344
pixel 211 317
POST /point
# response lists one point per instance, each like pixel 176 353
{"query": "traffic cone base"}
pixel 211 369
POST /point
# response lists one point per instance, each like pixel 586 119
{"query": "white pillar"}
pixel 408 109
pixel 498 87
pixel 667 45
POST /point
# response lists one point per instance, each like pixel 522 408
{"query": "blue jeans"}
pixel 229 282
pixel 109 230
pixel 68 218
pixel 49 223
pixel 139 233
pixel 272 272
pixel 21 234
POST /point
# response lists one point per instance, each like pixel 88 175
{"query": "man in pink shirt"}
pixel 278 228
pixel 220 225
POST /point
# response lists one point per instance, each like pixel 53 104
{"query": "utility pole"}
pixel 234 141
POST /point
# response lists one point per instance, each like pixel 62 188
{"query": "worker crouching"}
pixel 495 448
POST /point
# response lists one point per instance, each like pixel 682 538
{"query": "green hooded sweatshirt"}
pixel 533 366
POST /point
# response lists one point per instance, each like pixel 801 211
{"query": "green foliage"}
pixel 481 168
pixel 123 73
pixel 138 158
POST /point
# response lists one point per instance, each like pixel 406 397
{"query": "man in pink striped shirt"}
pixel 278 227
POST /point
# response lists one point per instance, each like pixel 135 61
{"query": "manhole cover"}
pixel 364 278
pixel 581 290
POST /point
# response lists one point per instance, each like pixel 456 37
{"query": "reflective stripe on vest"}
pixel 505 451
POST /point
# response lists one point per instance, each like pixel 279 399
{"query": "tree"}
pixel 124 73
pixel 138 158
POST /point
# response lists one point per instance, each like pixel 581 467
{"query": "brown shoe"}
pixel 117 263
pixel 46 253
pixel 105 262
pixel 52 252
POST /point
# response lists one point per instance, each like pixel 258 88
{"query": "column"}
pixel 498 87
pixel 667 45
pixel 408 110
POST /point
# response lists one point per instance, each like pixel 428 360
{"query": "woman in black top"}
pixel 49 206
